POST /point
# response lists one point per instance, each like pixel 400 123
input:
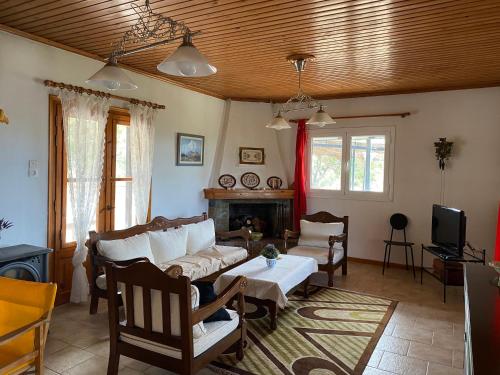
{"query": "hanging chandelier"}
pixel 300 101
pixel 152 30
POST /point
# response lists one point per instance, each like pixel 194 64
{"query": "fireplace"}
pixel 269 212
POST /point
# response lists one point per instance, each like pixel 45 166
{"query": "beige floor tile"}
pixel 66 358
pixel 430 353
pixel 48 371
pixel 402 365
pixel 433 324
pixel 134 364
pixel 458 359
pixel 448 342
pixel 95 366
pixel 129 371
pixel 393 345
pixel 420 335
pixel 101 348
pixel 437 369
pixel 375 371
pixel 54 345
pixel 375 358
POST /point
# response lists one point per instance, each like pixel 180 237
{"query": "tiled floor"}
pixel 423 337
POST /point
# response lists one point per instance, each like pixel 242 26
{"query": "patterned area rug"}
pixel 332 332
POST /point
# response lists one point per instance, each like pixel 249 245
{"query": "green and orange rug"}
pixel 332 332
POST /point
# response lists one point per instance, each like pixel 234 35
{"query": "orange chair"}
pixel 25 310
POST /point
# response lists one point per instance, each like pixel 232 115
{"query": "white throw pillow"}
pixel 201 236
pixel 168 245
pixel 127 248
pixel 317 234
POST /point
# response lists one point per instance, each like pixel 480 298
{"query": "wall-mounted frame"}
pixel 252 155
pixel 190 149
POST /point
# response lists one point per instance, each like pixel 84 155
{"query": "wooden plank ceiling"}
pixel 362 47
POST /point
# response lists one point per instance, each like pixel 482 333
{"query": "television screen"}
pixel 448 228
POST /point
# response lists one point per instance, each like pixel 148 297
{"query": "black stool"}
pixel 398 222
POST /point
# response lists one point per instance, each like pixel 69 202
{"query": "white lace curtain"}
pixel 141 157
pixel 84 121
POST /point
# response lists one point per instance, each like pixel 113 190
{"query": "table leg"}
pixel 306 287
pixel 273 314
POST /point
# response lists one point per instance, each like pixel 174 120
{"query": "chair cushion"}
pixel 156 310
pixel 168 245
pixel 318 253
pixel 195 266
pixel 127 248
pixel 216 331
pixel 201 236
pixel 230 255
pixel 317 234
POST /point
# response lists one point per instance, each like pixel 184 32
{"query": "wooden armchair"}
pixel 329 257
pixel 25 311
pixel 161 327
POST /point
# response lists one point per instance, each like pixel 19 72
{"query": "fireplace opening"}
pixel 258 217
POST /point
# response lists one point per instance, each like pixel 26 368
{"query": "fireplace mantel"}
pixel 214 194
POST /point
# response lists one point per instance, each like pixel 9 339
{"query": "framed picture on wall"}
pixel 252 155
pixel 190 149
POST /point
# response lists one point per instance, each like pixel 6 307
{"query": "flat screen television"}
pixel 448 229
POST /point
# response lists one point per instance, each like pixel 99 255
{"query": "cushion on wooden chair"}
pixel 317 234
pixel 318 253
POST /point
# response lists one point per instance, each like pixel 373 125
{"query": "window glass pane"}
pixel 122 151
pixel 124 208
pixel 69 236
pixel 326 163
pixel 367 163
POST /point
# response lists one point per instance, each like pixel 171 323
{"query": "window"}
pixel 352 163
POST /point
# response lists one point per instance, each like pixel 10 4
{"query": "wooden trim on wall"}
pixel 380 263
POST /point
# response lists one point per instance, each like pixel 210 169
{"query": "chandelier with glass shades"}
pixel 152 30
pixel 300 101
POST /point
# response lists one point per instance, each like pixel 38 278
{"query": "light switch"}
pixel 33 168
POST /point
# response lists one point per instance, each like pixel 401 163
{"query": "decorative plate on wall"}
pixel 274 182
pixel 250 180
pixel 227 181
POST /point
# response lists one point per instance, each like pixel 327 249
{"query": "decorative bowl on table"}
pixel 496 265
pixel 271 253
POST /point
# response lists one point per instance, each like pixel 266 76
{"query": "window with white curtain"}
pixel 352 163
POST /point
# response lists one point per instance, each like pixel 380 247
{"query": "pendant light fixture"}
pixel 301 101
pixel 278 122
pixel 152 30
pixel 187 61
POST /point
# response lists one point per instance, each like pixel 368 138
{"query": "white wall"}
pixel 177 191
pixel 246 127
pixel 470 118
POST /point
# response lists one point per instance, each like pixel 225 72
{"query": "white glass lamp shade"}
pixel 187 61
pixel 320 118
pixel 112 77
pixel 278 123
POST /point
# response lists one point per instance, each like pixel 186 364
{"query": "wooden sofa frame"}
pixel 98 261
pixel 169 281
pixel 326 217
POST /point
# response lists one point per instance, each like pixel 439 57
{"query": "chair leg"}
pixel 406 257
pixel 385 256
pixel 330 277
pixel 344 267
pixel 389 256
pixel 94 304
pixel 412 262
pixel 113 363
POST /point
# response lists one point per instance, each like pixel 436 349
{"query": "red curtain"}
pixel 497 245
pixel 300 204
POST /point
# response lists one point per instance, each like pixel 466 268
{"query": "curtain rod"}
pixel 102 94
pixel 402 115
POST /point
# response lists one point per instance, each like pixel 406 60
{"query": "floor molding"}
pixel 380 263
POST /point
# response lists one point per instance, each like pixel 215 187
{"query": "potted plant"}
pixel 4 224
pixel 271 253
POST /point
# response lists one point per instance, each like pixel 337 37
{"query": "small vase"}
pixel 271 262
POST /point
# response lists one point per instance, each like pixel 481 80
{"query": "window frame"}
pixel 346 133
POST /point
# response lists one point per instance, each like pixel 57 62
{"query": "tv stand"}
pixel 470 256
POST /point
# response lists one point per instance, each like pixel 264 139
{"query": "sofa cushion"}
pixel 230 255
pixel 156 310
pixel 317 234
pixel 127 248
pixel 201 236
pixel 318 253
pixel 202 264
pixel 168 245
pixel 215 332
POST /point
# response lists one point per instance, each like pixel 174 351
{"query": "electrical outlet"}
pixel 33 168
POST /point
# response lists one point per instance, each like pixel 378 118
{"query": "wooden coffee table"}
pixel 269 286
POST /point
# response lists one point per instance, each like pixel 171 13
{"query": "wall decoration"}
pixel 274 182
pixel 251 155
pixel 190 149
pixel 3 117
pixel 443 151
pixel 227 181
pixel 250 180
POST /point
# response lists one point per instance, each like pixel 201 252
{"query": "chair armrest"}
pixel 332 240
pixel 237 286
pixel 241 233
pixel 288 235
pixel 128 262
pixel 174 271
pixel 21 331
